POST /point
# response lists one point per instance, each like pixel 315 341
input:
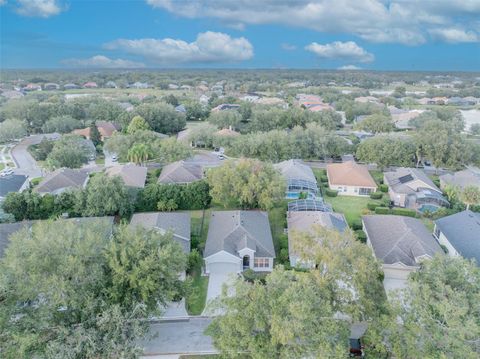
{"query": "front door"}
pixel 246 262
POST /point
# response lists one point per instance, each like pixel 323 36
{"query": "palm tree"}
pixel 451 192
pixel 139 153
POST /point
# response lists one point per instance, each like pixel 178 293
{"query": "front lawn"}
pixel 195 301
pixel 352 207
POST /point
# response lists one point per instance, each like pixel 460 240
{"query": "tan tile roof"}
pixel 349 174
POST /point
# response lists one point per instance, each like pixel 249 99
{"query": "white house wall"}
pixel 350 190
pixel 223 257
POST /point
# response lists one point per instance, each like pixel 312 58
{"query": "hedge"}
pixel 404 212
pixel 323 179
pixel 383 210
pixel 371 206
pixel 357 224
pixel 383 188
pixel 331 193
pixel 376 195
pixel 361 236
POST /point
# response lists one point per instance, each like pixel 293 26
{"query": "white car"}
pixel 6 172
pixel 114 158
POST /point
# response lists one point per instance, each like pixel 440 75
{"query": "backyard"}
pixel 352 207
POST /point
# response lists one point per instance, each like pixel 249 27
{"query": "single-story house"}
pixel 90 85
pixel 299 177
pixel 13 183
pixel 176 222
pixel 131 174
pixel 105 128
pixel 239 240
pixel 350 179
pixel 411 188
pixel 460 234
pixel 461 179
pixel 305 222
pixel 51 86
pixel 226 106
pixel 61 180
pixel 181 172
pixel 400 243
pixel 227 132
pixel 71 86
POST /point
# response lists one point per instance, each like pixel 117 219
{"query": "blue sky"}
pixel 325 34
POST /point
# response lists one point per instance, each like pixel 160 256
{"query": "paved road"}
pixel 24 161
pixel 179 337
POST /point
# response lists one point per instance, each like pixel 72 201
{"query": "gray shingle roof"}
pixel 177 222
pixel 468 177
pixel 233 230
pixel 11 183
pixel 399 239
pixel 131 174
pixel 296 169
pixel 303 221
pixel 463 232
pixel 400 178
pixel 61 180
pixel 181 172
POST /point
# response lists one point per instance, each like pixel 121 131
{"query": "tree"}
pixel 139 153
pixel 61 124
pixel 376 123
pixel 95 135
pixel 475 129
pixel 137 123
pixel 451 192
pixel 41 151
pixel 437 315
pixel 145 267
pixel 246 183
pixel 387 150
pixel 171 100
pixel 105 196
pixel 83 299
pixel 12 129
pixel 400 91
pixel 295 313
pixel 70 151
pixel 161 117
pixel 470 195
pixel 172 150
pixel 195 111
pixel 225 119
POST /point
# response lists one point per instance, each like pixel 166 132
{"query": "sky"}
pixel 411 35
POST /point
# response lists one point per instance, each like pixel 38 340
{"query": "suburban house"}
pixel 50 86
pixel 131 174
pixel 90 85
pixel 181 172
pixel 350 179
pixel 461 179
pixel 175 222
pixel 71 86
pixel 301 181
pixel 225 106
pixel 460 234
pixel 61 180
pixel 400 243
pixel 306 222
pixel 13 183
pixel 105 128
pixel 239 240
pixel 226 132
pixel 411 188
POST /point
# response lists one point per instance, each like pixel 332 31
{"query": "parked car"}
pixel 114 158
pixel 221 156
pixel 6 172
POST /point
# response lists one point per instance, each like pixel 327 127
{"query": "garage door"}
pixel 220 273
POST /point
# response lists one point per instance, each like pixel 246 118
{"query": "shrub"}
pixel 371 206
pixel 361 236
pixel 383 188
pixel 376 195
pixel 324 179
pixel 283 241
pixel 331 193
pixel 404 212
pixel 357 224
pixel 195 262
pixel 383 210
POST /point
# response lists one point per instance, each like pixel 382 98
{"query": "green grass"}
pixel 35 181
pixel 352 207
pixel 2 166
pixel 277 217
pixel 428 223
pixel 199 234
pixel 377 176
pixel 100 160
pixel 195 301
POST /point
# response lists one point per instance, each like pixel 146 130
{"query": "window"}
pixel 437 232
pixel 365 191
pixel 261 263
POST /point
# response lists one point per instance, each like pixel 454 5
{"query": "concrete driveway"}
pixel 220 274
pixel 26 164
pixel 179 337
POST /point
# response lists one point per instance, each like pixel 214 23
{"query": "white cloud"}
pixel 338 50
pixel 288 47
pixel 349 67
pixel 400 21
pixel 454 35
pixel 39 8
pixel 101 61
pixel 209 47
